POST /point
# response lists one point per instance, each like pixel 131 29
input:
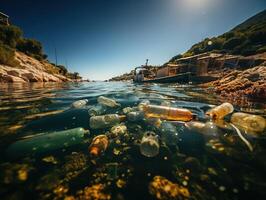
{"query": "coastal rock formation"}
pixel 250 83
pixel 29 69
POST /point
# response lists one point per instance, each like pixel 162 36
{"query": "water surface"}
pixel 220 167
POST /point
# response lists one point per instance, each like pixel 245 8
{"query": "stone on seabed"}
pixel 164 189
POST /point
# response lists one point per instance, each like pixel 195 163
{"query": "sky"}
pixel 104 38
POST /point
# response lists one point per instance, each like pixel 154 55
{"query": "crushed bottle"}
pixel 149 145
pixel 107 102
pixel 98 145
pixel 219 112
pixel 97 110
pixel 80 103
pixel 117 130
pixel 168 113
pixel 135 116
pixel 105 121
pixel 249 122
pixel 47 142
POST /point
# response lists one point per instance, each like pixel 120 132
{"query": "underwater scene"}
pixel 121 140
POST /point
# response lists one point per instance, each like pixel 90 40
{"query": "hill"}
pixel 246 39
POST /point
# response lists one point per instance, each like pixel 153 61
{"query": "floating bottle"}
pixel 105 121
pixel 98 145
pixel 169 133
pixel 127 110
pixel 107 102
pixel 208 129
pixel 97 110
pixel 45 142
pixel 249 122
pixel 80 103
pixel 135 116
pixel 149 145
pixel 219 112
pixel 168 113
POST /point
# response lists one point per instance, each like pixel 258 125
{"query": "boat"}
pixel 147 74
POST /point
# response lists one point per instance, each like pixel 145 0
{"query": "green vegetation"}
pixel 248 38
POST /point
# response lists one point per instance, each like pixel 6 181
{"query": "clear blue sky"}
pixel 103 38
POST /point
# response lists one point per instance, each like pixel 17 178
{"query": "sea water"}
pixel 217 167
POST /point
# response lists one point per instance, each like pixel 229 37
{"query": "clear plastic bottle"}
pixel 135 116
pixel 45 142
pixel 149 145
pixel 168 113
pixel 249 122
pixel 169 133
pixel 208 129
pixel 105 121
pixel 80 103
pixel 107 102
pixel 98 145
pixel 97 110
pixel 219 112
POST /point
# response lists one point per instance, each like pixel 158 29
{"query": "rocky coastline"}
pixel 29 69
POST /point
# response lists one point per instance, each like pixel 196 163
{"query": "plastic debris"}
pixel 79 103
pixel 107 102
pixel 219 112
pixel 47 142
pixel 149 145
pixel 118 130
pixel 135 116
pixel 98 145
pixel 248 122
pixel 97 110
pixel 105 121
pixel 168 113
pixel 169 133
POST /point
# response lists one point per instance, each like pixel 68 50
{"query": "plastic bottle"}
pixel 249 122
pixel 98 145
pixel 149 145
pixel 208 129
pixel 168 113
pixel 135 116
pixel 219 112
pixel 107 102
pixel 45 142
pixel 169 133
pixel 79 103
pixel 105 121
pixel 97 110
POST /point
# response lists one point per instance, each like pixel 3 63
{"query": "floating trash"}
pixel 46 142
pixel 107 102
pixel 105 121
pixel 219 112
pixel 80 103
pixel 98 145
pixel 248 122
pixel 97 110
pixel 149 145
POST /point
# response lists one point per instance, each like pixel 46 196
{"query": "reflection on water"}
pixel 198 160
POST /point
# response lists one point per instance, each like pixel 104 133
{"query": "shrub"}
pixel 30 47
pixel 7 55
pixel 10 35
pixel 233 42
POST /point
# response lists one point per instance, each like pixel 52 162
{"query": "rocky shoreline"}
pixel 29 69
pixel 235 83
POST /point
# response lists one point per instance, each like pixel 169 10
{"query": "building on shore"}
pixel 4 19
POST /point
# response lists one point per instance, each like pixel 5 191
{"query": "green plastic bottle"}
pixel 46 142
